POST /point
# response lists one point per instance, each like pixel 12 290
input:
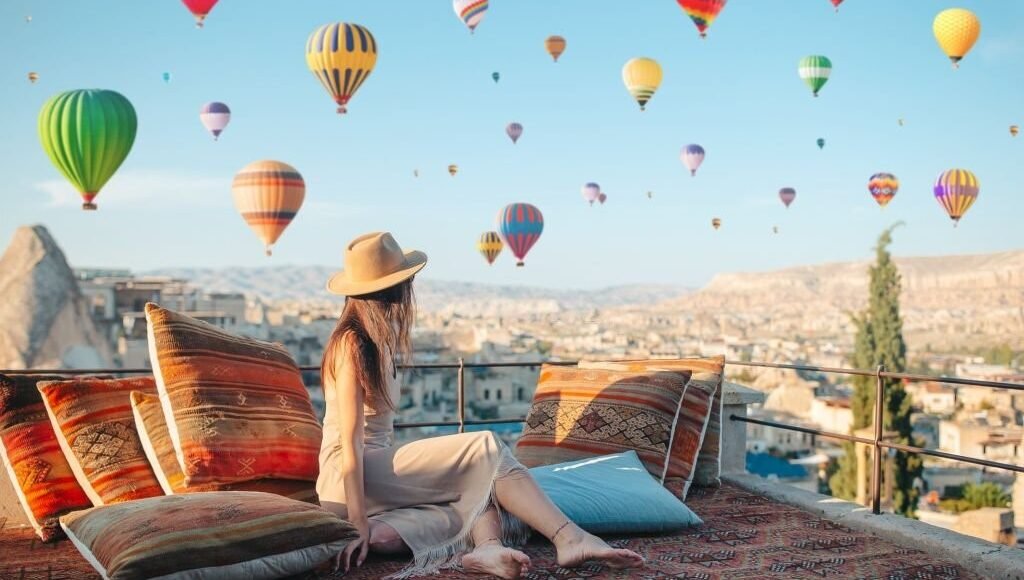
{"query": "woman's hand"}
pixel 357 548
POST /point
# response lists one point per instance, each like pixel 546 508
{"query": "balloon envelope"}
pixel 642 76
pixel 591 192
pixel 956 30
pixel 87 134
pixel 514 131
pixel 520 226
pixel 199 9
pixel 33 77
pixel 787 195
pixel 716 223
pixel 1014 130
pixel 341 56
pixel 836 4
pixel 601 198
pixel 268 194
pixel 692 156
pixel 470 12
pixel 490 245
pixel 956 190
pixel 453 169
pixel 215 117
pixel 702 12
pixel 821 143
pixel 555 45
pixel 496 76
pixel 815 70
pixel 883 187
pixel 166 76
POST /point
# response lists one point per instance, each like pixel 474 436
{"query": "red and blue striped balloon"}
pixel 520 226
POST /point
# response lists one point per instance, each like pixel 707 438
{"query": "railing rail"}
pixel 877 442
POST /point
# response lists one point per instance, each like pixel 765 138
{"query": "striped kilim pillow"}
pixel 156 442
pixel 236 408
pixel 43 481
pixel 579 413
pixel 94 425
pixel 220 535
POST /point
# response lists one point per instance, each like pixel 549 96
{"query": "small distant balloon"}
pixel 1014 130
pixel 555 45
pixel 602 198
pixel 650 194
pixel 199 9
pixel 956 190
pixel 956 30
pixel 33 77
pixel 496 76
pixel 453 169
pixel 821 143
pixel 900 121
pixel 775 229
pixel 166 76
pixel 642 76
pixel 716 223
pixel 692 156
pixel 415 172
pixel 514 131
pixel 883 187
pixel 815 70
pixel 470 12
pixel 836 3
pixel 787 195
pixel 591 192
pixel 215 117
pixel 28 18
pixel 490 245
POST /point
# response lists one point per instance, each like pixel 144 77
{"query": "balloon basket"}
pixel 342 110
pixel 693 173
pixel 520 264
pixel 199 23
pixel 89 206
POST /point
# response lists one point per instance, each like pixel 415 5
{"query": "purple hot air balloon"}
pixel 602 198
pixel 787 195
pixel 591 192
pixel 215 117
pixel 514 131
pixel 692 156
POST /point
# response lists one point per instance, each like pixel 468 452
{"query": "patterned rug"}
pixel 746 536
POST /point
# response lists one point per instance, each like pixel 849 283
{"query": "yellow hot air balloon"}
pixel 1014 129
pixel 956 31
pixel 33 77
pixel 490 245
pixel 453 169
pixel 555 46
pixel 642 77
pixel 268 194
pixel 341 56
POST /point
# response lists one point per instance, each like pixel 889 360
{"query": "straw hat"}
pixel 374 262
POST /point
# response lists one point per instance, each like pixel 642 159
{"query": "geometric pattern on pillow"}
pixel 584 413
pixel 93 421
pixel 216 535
pixel 42 477
pixel 236 408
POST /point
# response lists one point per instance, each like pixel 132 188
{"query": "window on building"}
pixel 497 394
pixel 520 394
pixel 487 394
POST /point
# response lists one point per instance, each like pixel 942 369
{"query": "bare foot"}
pixel 497 561
pixel 582 546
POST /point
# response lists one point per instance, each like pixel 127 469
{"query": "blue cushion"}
pixel 613 494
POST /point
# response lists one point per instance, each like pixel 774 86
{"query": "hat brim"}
pixel 341 285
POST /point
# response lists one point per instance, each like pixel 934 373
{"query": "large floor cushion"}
pixel 43 481
pixel 613 494
pixel 218 535
pixel 236 408
pixel 93 421
pixel 580 413
pixel 156 442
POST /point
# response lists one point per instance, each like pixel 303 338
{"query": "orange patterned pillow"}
pixel 42 477
pixel 156 442
pixel 236 408
pixel 94 425
pixel 580 413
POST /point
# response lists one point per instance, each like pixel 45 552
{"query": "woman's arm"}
pixel 349 398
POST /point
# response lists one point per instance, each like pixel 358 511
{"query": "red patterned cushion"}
pixel 42 477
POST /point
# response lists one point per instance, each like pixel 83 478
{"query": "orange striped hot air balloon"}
pixel 555 46
pixel 268 194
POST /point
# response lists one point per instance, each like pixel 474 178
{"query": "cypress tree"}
pixel 879 341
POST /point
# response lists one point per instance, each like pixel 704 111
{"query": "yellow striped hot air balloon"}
pixel 956 190
pixel 341 56
pixel 490 245
pixel 642 76
pixel 956 30
pixel 268 194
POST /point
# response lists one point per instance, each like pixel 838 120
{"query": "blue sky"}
pixel 431 101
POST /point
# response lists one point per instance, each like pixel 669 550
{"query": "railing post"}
pixel 876 466
pixel 462 395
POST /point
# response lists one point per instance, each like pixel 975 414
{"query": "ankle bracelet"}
pixel 490 540
pixel 558 531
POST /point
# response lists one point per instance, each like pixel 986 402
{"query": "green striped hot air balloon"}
pixel 814 70
pixel 87 134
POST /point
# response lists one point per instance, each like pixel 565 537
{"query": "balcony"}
pixel 754 527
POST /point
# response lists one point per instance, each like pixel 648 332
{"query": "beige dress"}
pixel 430 491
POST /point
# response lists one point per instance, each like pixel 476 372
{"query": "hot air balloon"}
pixel 87 134
pixel 520 226
pixel 268 194
pixel 787 195
pixel 716 223
pixel 955 191
pixel 199 9
pixel 601 198
pixel 775 229
pixel 490 245
pixel 814 70
pixel 821 143
pixel 702 12
pixel 836 4
pixel 215 117
pixel 28 19
pixel 496 76
pixel 470 12
pixel 642 77
pixel 453 169
pixel 650 195
pixel 514 131
pixel 341 56
pixel 883 187
pixel 1014 130
pixel 166 76
pixel 692 156
pixel 956 30
pixel 555 45
pixel 591 191
pixel 33 77
pixel 900 121
pixel 415 172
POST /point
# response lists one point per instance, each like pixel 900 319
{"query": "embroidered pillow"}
pixel 156 442
pixel 701 414
pixel 42 478
pixel 93 421
pixel 219 535
pixel 236 408
pixel 580 413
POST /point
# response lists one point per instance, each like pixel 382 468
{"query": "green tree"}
pixel 986 494
pixel 879 341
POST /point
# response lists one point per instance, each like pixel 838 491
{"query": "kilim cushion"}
pixel 216 535
pixel 702 412
pixel 156 442
pixel 42 478
pixel 579 413
pixel 94 425
pixel 236 408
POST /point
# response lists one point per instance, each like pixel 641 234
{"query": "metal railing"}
pixel 877 442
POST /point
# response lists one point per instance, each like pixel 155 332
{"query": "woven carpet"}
pixel 745 536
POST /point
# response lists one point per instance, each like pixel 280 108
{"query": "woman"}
pixel 461 497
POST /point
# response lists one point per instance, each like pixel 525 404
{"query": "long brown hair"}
pixel 376 329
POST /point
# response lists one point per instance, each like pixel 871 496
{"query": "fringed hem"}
pixel 449 555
